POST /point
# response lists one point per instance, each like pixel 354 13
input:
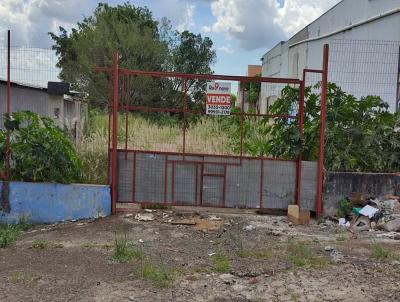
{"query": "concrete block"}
pixel 297 215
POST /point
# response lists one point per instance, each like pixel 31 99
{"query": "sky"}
pixel 242 30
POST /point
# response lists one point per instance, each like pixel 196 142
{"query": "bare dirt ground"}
pixel 246 258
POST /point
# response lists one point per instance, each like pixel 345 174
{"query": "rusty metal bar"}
pixel 114 137
pixel 206 76
pixel 320 177
pixel 300 121
pixel 155 109
pixel 184 117
pixel 165 180
pixel 125 89
pixel 8 147
pixel 261 181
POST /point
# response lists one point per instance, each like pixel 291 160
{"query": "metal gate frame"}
pixel 116 73
pixel 5 175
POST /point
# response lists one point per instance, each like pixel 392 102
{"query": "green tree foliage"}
pixel 142 44
pixel 361 135
pixel 40 151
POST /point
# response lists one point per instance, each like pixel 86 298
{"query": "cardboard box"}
pixel 297 215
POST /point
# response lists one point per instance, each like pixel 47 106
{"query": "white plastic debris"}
pixel 344 223
pixel 144 217
pixel 249 227
pixel 368 211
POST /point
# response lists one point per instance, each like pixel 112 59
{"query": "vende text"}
pixel 218 99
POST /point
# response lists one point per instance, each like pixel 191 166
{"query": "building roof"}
pixel 24 85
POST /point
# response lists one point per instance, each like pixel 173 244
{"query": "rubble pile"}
pixel 369 214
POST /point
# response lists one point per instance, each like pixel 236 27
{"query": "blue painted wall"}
pixel 50 202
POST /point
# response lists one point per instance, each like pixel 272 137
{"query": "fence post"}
pixel 114 153
pixel 300 121
pixel 8 105
pixel 320 177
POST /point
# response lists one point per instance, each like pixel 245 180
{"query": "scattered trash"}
pixel 329 248
pixel 297 215
pixel 249 228
pixel 128 215
pixel 361 224
pixel 211 254
pixel 140 241
pixel 368 211
pixel 344 223
pixel 214 218
pixel 144 217
pixel 149 210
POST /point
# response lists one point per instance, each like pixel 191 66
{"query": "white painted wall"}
pixel 365 64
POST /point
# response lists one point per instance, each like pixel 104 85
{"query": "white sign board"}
pixel 218 100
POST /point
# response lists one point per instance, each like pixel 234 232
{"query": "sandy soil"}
pixel 77 264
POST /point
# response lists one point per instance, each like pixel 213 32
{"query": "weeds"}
pixel 40 244
pixel 145 134
pixel 162 275
pixel 379 252
pixel 301 255
pixel 8 233
pixel 221 262
pixel 256 254
pixel 21 277
pixel 124 251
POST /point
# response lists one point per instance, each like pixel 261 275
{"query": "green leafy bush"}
pixel 360 134
pixel 344 207
pixel 40 151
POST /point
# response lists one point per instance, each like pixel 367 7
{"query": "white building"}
pixel 364 38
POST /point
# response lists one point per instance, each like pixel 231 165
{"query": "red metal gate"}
pixel 187 177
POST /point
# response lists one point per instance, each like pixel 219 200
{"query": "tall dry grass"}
pixel 206 135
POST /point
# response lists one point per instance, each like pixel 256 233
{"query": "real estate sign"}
pixel 218 100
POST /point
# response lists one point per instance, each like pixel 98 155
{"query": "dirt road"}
pixel 247 258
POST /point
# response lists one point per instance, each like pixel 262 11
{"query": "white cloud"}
pixel 227 49
pixel 206 29
pixel 187 21
pixel 30 20
pixel 296 14
pixel 262 23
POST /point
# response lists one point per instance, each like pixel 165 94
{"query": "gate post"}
pixel 114 137
pixel 300 121
pixel 320 177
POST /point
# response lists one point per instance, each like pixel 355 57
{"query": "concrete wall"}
pixel 49 203
pixel 339 185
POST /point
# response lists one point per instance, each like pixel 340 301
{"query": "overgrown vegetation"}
pixel 361 135
pixel 124 251
pixel 302 255
pixel 8 233
pixel 221 262
pixel 161 275
pixel 255 253
pixel 40 151
pixel 379 252
pixel 345 207
pixel 40 244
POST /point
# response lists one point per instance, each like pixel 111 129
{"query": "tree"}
pixel 142 44
pixel 128 29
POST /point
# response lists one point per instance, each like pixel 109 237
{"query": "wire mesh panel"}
pixel 363 68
